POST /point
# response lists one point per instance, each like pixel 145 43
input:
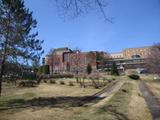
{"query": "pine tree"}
pixel 17 43
pixel 89 69
pixel 114 70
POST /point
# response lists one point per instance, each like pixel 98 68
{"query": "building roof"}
pixel 138 47
pixel 63 48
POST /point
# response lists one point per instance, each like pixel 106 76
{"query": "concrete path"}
pixel 105 94
pixel 150 100
pixel 108 94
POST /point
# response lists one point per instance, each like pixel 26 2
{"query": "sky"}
pixel 136 23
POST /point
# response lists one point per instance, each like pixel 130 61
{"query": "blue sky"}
pixel 136 23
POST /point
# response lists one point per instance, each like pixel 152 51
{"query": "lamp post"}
pixel 77 63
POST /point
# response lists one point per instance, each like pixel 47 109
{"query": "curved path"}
pixel 150 100
pixel 108 93
pixel 105 93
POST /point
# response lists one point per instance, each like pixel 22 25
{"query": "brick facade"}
pixel 129 53
pixel 142 52
pixel 64 59
pixel 133 58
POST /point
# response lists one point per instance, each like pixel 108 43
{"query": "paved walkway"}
pixel 108 93
pixel 105 94
pixel 150 100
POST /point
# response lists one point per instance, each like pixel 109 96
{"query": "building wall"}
pixel 77 61
pixel 64 60
pixel 117 55
pixel 130 52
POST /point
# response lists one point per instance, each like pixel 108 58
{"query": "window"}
pixel 136 56
pixel 65 57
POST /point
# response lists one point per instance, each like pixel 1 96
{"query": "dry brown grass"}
pixel 154 87
pixel 48 90
pixel 43 90
pixel 137 107
pixel 132 104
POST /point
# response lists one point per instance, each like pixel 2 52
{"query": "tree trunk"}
pixel 4 52
pixel 1 74
pixel 2 63
pixel 84 83
pixel 80 82
pixel 2 66
pixel 0 87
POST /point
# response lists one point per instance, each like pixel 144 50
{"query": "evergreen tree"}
pixel 89 69
pixel 45 69
pixel 40 70
pixel 17 43
pixel 114 70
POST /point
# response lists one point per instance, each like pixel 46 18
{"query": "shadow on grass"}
pixel 156 81
pixel 63 101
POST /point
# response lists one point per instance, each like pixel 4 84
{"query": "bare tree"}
pixel 74 8
pixel 100 57
pixel 153 61
pixel 53 60
pixel 95 79
pixel 77 63
pixel 91 57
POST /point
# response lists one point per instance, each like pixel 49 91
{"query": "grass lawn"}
pixel 58 102
pixel 154 86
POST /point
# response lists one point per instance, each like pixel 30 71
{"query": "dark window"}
pixel 65 57
pixel 136 56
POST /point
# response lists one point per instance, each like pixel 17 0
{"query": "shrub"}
pixel 109 81
pixel 40 70
pixel 39 80
pixel 52 81
pixel 43 69
pixel 62 82
pixel 62 76
pixel 124 90
pixel 28 83
pixel 96 86
pixel 134 76
pixel 46 69
pixel 45 81
pixel 21 84
pixel 71 83
pixel 104 78
pixel 28 76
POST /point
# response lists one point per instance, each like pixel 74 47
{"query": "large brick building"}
pixel 65 59
pixel 129 53
pixel 131 58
